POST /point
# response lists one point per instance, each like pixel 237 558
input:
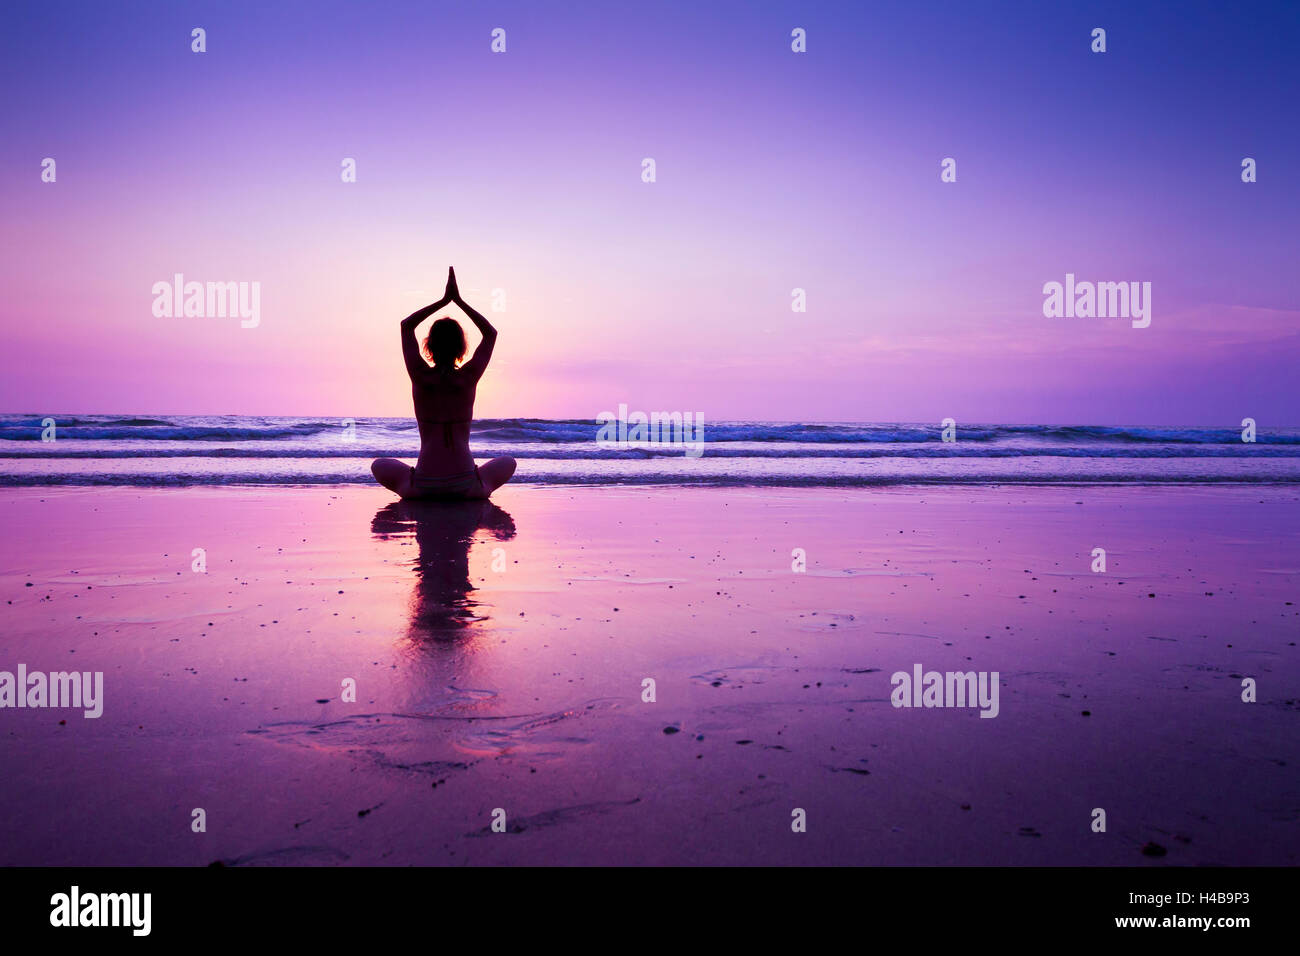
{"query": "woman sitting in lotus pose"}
pixel 444 406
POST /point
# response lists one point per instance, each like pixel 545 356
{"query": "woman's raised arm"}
pixel 478 363
pixel 415 363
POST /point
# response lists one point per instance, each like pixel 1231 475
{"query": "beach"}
pixel 500 655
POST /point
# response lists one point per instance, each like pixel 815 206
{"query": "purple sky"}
pixel 775 170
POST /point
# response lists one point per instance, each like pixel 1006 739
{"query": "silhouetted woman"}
pixel 444 407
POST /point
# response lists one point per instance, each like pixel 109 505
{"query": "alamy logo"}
pixel 1086 300
pixel 208 300
pixel 133 910
pixel 641 430
pixel 56 689
pixel 950 689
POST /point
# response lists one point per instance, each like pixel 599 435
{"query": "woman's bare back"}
pixel 444 408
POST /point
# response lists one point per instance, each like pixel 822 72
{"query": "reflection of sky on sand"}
pixel 442 604
pixel 478 689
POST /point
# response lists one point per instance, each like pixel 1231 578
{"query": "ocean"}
pixel 229 450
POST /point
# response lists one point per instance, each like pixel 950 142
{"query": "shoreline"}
pixel 651 483
pixel 500 654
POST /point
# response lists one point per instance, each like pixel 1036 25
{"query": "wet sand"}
pixel 499 654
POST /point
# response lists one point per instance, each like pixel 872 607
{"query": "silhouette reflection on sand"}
pixel 442 605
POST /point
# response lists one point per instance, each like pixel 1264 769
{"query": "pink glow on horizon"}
pixel 924 299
